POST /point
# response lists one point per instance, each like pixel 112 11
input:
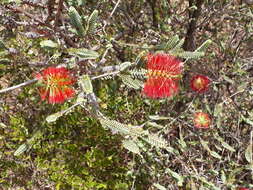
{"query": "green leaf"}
pixel 168 45
pixel 85 84
pixel 223 143
pixel 218 109
pixel 4 62
pixel 159 187
pixel 21 149
pixel 154 124
pixel 215 155
pixel 2 125
pixel 83 53
pixel 2 46
pixel 76 21
pixel 115 126
pixel 172 42
pixel 247 120
pixel 228 79
pixel 223 177
pixel 53 117
pixel 131 146
pixel 155 140
pixel 124 66
pixel 48 44
pixel 130 82
pixel 178 46
pixel 29 143
pixel 92 21
pixel 190 55
pixel 211 185
pixel 181 141
pixel 157 117
pixel 179 178
pixel 227 146
pixel 248 153
pixel 205 145
pixel 138 73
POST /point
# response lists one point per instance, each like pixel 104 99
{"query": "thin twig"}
pixel 18 86
pixel 114 9
pixel 107 20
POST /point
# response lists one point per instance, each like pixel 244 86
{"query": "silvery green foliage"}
pixel 131 146
pixel 155 140
pixel 29 143
pixel 135 132
pixel 190 55
pixel 85 84
pixel 171 43
pixel 83 53
pixel 76 21
pixel 174 47
pixel 138 73
pixel 92 22
pixel 130 82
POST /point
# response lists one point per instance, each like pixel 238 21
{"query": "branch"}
pixel 18 86
pixel 189 43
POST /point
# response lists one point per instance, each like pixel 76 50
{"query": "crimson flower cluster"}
pixel 199 83
pixel 55 85
pixel 163 75
pixel 201 120
pixel 164 72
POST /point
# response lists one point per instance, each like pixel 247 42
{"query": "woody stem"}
pixel 18 86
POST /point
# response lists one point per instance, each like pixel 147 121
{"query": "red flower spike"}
pixel 201 120
pixel 55 85
pixel 243 188
pixel 164 71
pixel 199 83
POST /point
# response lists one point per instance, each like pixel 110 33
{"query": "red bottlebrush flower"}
pixel 199 83
pixel 243 188
pixel 55 85
pixel 164 71
pixel 201 120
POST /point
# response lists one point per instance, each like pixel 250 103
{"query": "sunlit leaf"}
pixel 85 84
pixel 154 124
pixel 83 53
pixel 248 153
pixel 53 117
pixel 157 117
pixel 21 149
pixel 131 146
pixel 178 177
pixel 48 44
pixel 159 187
pixel 215 154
